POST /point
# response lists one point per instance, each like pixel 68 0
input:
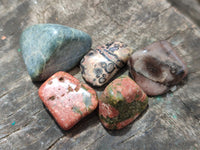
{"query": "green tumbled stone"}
pixel 48 48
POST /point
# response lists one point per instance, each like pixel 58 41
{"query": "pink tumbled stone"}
pixel 67 99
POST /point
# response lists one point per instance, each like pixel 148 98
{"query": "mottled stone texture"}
pixel 171 121
pixel 67 99
pixel 121 102
pixel 101 64
pixel 156 68
pixel 48 48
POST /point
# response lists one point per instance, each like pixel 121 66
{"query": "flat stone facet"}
pixel 67 99
pixel 101 64
pixel 48 48
pixel 121 103
pixel 156 68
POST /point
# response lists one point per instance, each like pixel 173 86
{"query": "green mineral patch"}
pixel 119 84
pixel 126 111
pixel 87 100
pixel 113 98
pixel 122 76
pixel 115 88
pixel 110 93
pixel 111 121
pixel 119 96
pixel 137 96
pixel 76 110
pixel 84 88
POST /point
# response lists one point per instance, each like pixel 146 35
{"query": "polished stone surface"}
pixel 156 68
pixel 101 64
pixel 121 102
pixel 48 48
pixel 171 121
pixel 67 99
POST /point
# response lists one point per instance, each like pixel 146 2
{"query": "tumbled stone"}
pixel 67 99
pixel 121 103
pixel 48 48
pixel 101 64
pixel 156 68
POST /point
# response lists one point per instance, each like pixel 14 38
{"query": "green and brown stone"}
pixel 121 102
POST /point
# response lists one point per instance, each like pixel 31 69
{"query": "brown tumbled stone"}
pixel 156 68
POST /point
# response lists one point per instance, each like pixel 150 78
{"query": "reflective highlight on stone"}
pixel 101 64
pixel 121 103
pixel 48 48
pixel 156 68
pixel 67 99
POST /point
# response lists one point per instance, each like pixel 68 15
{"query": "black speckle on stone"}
pixel 177 70
pixel 120 63
pixel 51 98
pixel 100 51
pixel 98 72
pixel 91 53
pixel 112 49
pixel 61 79
pixel 180 72
pixel 82 69
pixel 109 44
